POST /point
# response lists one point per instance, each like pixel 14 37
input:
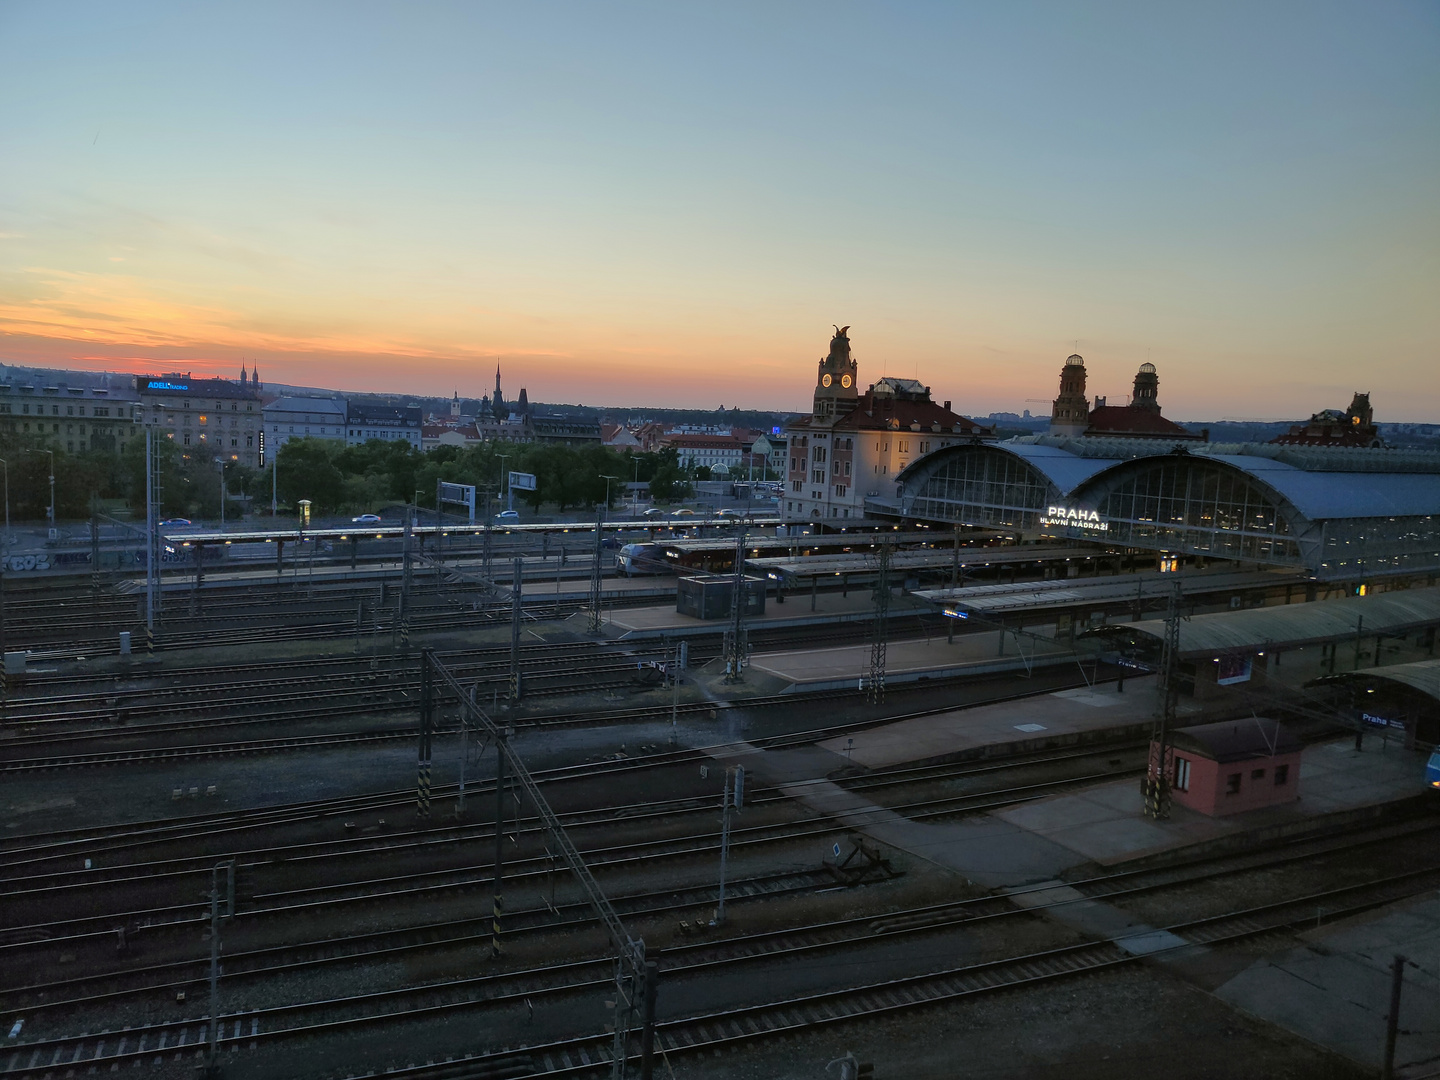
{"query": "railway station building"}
pixel 854 444
pixel 1353 518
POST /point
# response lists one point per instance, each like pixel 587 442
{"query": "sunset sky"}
pixel 670 204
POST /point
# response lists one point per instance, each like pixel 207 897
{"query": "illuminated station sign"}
pixel 1070 517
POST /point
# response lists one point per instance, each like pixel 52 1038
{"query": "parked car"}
pixel 366 519
pixel 508 517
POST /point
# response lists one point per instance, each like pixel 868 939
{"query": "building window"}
pixel 1282 775
pixel 840 490
pixel 1232 784
pixel 187 438
pixel 1257 774
pixel 847 468
pixel 1182 774
pixel 795 485
pixel 69 410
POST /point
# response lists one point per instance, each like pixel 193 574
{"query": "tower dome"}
pixel 1070 413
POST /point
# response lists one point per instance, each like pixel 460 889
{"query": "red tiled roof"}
pixel 701 441
pixel 1124 420
pixel 881 412
pixel 1328 435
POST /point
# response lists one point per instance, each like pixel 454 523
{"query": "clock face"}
pixel 845 381
pixel 825 380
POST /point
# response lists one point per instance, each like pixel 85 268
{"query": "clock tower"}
pixel 836 392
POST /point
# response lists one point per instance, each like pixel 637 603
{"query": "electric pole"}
pixel 734 645
pixel 880 630
pixel 731 800
pixel 596 620
pixel 1157 780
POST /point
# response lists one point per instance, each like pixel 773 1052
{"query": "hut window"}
pixel 1282 775
pixel 1257 774
pixel 1232 784
pixel 1182 774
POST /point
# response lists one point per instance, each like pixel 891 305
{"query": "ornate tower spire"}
pixel 1147 389
pixel 836 392
pixel 1070 413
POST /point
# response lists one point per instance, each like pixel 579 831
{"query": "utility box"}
pixel 709 597
pixel 15 662
pixel 124 642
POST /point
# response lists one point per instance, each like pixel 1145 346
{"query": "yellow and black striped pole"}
pixel 497 904
pixel 427 709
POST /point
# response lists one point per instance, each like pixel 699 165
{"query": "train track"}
pixel 568 719
pixel 418 883
pixel 586 1054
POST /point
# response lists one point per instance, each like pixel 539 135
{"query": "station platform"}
pixel 826 609
pixel 809 670
pixel 1049 719
pixel 1333 989
pixel 1105 824
pixel 539 578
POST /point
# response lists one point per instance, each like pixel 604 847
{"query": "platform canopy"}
pixel 936 558
pixel 1005 599
pixel 1422 676
pixel 1294 625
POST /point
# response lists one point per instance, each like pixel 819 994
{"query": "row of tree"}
pixel 354 478
pixel 335 478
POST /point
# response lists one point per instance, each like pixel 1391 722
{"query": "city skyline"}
pixel 671 208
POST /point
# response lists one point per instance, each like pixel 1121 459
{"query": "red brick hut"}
pixel 1233 766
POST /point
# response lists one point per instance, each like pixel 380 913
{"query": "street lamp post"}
pixel 635 500
pixel 607 480
pixel 221 463
pixel 504 482
pixel 52 481
pixel 7 499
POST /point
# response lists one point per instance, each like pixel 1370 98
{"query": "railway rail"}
pixel 414 883
pixel 584 1054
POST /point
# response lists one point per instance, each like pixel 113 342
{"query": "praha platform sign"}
pixel 1073 518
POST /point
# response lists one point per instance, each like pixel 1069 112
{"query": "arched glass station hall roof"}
pixel 1343 514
